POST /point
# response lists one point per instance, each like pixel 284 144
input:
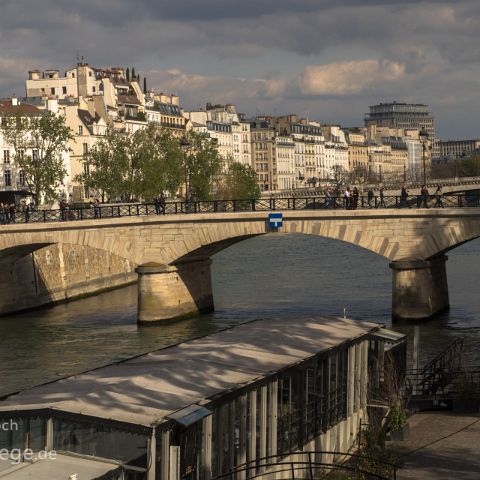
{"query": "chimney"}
pixel 52 105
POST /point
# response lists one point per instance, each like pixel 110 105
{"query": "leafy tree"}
pixel 128 74
pixel 134 166
pixel 157 154
pixel 471 165
pixel 39 142
pixel 201 164
pixel 107 165
pixel 239 182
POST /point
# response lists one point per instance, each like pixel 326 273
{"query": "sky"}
pixel 322 59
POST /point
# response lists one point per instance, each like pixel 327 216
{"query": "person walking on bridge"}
pixel 370 197
pixel 346 196
pixel 404 198
pixel 382 198
pixel 424 197
pixel 438 197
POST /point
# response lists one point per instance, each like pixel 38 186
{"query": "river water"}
pixel 265 277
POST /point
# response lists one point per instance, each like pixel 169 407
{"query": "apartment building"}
pixel 264 160
pixel 285 153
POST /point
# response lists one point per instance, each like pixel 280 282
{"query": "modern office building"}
pixel 206 407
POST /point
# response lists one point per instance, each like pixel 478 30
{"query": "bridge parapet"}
pixel 175 240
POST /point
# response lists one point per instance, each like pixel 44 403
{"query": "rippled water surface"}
pixel 266 277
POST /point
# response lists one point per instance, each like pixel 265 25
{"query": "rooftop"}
pixel 146 389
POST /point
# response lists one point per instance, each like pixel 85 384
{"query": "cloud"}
pixel 348 78
pixel 330 58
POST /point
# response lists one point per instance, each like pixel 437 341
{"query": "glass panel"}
pixel 100 441
pixel 21 433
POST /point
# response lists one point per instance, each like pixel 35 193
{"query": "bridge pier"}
pixel 166 292
pixel 419 288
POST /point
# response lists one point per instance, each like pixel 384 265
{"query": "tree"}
pixel 144 84
pixel 471 165
pixel 106 165
pixel 134 166
pixel 128 74
pixel 339 176
pixel 39 142
pixel 240 182
pixel 201 164
pixel 157 153
pixel 133 74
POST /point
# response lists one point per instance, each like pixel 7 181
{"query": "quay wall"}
pixel 58 273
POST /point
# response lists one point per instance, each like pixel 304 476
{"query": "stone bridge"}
pixel 172 253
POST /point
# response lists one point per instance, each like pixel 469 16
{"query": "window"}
pixel 80 129
pixel 8 178
pixel 93 89
pixel 35 155
pixel 85 148
pixel 52 90
pixel 100 441
pixel 26 429
pixel 21 178
pixel 6 156
pixel 64 90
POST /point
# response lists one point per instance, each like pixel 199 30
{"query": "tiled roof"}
pixel 6 107
pixel 128 99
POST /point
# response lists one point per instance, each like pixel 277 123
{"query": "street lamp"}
pixel 184 145
pixel 423 135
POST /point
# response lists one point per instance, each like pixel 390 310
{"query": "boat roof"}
pixel 146 389
pixel 58 467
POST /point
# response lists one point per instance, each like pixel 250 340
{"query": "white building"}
pixel 285 155
pixel 13 184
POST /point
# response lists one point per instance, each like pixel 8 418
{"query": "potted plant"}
pixel 399 428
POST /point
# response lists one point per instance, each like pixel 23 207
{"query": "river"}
pixel 265 277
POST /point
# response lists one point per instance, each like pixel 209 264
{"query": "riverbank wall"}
pixel 59 273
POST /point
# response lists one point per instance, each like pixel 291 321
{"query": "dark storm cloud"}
pixel 352 51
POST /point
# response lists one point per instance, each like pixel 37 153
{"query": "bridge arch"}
pixel 173 252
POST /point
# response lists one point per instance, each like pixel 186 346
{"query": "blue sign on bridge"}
pixel 275 220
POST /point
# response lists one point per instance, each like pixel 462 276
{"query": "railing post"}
pixel 314 203
pixel 363 202
pixel 376 201
pixel 234 205
pixel 460 201
pixel 81 214
pixel 118 212
pixel 274 204
pixel 111 208
pixel 253 204
pixel 215 206
pixel 44 215
pixel 396 201
pixel 129 210
pixel 293 202
pixel 138 210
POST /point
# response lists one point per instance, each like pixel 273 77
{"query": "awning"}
pixel 189 415
pixel 389 336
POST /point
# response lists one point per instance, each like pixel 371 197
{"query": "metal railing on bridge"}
pixel 309 465
pixel 232 206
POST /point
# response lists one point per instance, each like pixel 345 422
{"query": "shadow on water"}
pixel 266 277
